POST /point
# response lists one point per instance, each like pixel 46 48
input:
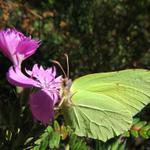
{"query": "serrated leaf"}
pixel 103 104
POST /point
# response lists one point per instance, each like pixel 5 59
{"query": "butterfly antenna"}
pixel 67 59
pixel 56 62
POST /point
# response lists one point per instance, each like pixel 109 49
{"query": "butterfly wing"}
pixel 103 104
pixel 129 87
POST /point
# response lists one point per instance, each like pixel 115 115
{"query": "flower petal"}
pixel 9 40
pixel 16 46
pixel 16 77
pixel 41 106
pixel 27 47
pixel 53 94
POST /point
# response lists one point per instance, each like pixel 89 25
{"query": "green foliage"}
pixel 102 105
pixel 116 144
pixel 49 139
pixel 75 143
pixel 52 138
pixel 140 129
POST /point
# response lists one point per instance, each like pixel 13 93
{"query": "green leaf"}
pixel 54 140
pixel 44 142
pixel 56 126
pixel 139 125
pixel 134 133
pixel 49 129
pixel 102 105
pixel 136 120
pixel 126 134
pixel 144 130
pixel 117 145
pixel 76 143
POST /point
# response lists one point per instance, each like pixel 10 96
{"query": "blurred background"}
pixel 97 35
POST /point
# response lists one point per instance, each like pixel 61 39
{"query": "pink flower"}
pixel 16 46
pixel 42 106
pixel 42 101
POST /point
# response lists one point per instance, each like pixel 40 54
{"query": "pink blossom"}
pixel 42 106
pixel 42 101
pixel 16 46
